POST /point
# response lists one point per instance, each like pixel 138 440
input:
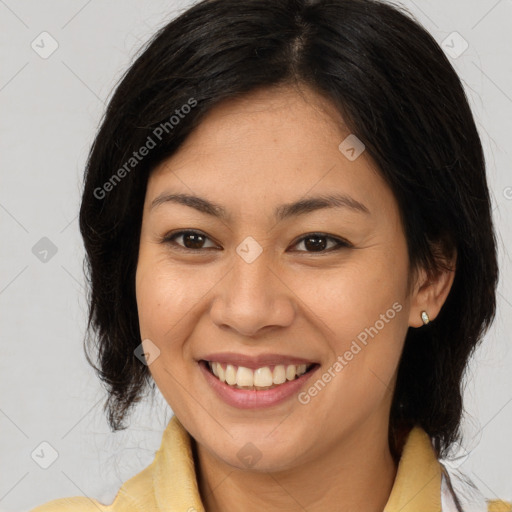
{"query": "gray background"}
pixel 50 108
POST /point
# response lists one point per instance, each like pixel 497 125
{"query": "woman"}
pixel 288 230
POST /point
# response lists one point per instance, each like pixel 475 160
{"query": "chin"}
pixel 255 450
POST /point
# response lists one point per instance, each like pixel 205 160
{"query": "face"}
pixel 252 276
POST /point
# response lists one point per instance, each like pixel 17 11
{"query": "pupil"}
pixel 196 242
pixel 315 246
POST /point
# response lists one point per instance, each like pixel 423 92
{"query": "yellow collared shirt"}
pixel 169 483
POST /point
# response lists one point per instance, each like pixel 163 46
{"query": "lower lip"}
pixel 251 398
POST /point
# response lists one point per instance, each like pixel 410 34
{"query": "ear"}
pixel 430 291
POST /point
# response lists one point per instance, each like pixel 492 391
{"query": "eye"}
pixel 317 242
pixel 194 241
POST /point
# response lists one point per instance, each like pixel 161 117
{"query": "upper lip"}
pixel 254 362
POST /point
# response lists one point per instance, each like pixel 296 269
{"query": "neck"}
pixel 356 474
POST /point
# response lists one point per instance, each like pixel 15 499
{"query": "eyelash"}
pixel 170 237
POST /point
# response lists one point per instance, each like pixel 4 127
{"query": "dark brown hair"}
pixel 397 92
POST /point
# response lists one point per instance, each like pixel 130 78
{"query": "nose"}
pixel 253 297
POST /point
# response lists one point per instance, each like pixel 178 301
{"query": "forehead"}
pixel 282 115
pixel 270 146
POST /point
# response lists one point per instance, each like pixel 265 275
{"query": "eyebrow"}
pixel 281 212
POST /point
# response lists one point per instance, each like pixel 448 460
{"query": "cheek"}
pixel 158 298
pixel 354 297
pixel 163 297
pixel 170 298
pixel 361 309
pixel 165 301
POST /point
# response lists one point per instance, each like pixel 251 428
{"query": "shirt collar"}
pixel 417 484
pixel 418 480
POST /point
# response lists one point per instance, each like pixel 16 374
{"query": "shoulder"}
pixel 135 495
pixel 81 504
pixel 499 506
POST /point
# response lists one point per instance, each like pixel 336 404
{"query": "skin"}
pixel 271 147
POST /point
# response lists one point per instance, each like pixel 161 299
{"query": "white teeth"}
pixel 264 377
pixel 220 371
pixel 291 372
pixel 230 375
pixel 279 374
pixel 244 377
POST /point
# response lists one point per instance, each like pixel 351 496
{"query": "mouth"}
pixel 259 379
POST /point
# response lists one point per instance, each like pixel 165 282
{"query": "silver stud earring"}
pixel 425 318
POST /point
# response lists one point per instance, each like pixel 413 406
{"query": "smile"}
pixel 266 377
pixel 261 387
